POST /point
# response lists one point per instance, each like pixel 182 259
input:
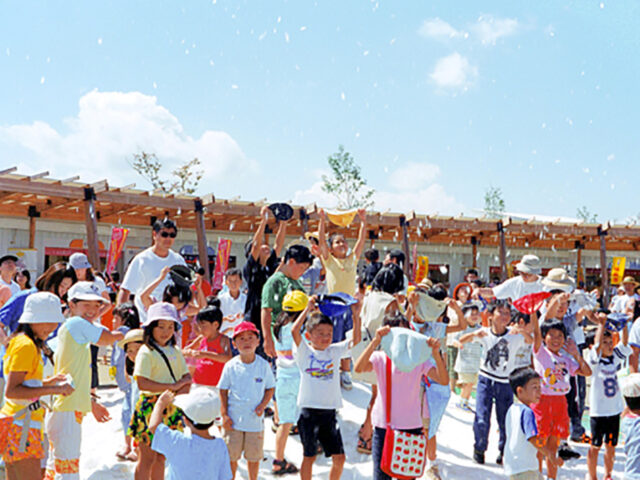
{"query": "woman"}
pixel 23 278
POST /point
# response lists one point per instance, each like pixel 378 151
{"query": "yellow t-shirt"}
pixel 341 273
pixel 73 357
pixel 151 365
pixel 23 356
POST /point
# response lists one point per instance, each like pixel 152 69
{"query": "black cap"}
pixel 282 211
pixel 8 256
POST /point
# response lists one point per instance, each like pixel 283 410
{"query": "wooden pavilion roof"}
pixel 62 199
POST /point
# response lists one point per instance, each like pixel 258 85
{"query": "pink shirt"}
pixel 555 370
pixel 406 399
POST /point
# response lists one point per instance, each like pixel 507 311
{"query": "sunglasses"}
pixel 167 234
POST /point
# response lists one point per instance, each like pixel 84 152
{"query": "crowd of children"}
pixel 194 403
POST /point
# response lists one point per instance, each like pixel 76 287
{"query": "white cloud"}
pixel 454 71
pixel 410 187
pixel 414 175
pixel 489 28
pixel 439 29
pixel 109 128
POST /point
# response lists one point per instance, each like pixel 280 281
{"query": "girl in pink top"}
pixel 407 408
pixel 555 361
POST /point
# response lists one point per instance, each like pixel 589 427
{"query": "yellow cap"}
pixel 295 301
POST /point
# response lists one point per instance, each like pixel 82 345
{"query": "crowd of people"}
pixel 199 370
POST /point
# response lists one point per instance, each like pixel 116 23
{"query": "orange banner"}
pixel 222 262
pixel 116 245
pixel 618 265
pixel 422 268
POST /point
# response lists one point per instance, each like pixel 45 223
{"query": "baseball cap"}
pixel 79 260
pixel 245 327
pixel 295 301
pixel 42 307
pixel 201 406
pixel 85 291
pixel 161 311
pixel 8 256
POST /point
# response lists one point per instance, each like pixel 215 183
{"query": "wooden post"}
pixel 33 214
pixel 604 272
pixel 203 254
pixel 579 274
pixel 503 253
pixel 405 246
pixel 305 220
pixel 474 252
pixel 91 224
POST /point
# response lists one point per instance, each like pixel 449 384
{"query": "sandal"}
pixel 364 446
pixel 284 467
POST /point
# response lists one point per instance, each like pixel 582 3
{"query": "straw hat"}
pixel 558 279
pixel 629 279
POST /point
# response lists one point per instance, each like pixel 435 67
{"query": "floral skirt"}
pixel 139 425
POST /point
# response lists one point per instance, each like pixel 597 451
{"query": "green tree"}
pixel 346 183
pixel 586 216
pixel 186 177
pixel 493 202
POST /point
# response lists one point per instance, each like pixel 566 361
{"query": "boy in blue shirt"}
pixel 246 387
pixel 193 453
pixel 631 392
pixel 522 445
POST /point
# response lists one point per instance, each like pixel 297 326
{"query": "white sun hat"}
pixel 200 405
pixel 42 307
pixel 529 264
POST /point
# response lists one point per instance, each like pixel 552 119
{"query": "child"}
pixel 523 443
pixel 631 393
pixel 23 371
pixel 73 358
pixel 130 346
pixel 232 301
pixel 406 403
pixel 211 349
pixel 125 318
pixel 159 366
pixel 246 387
pixel 605 399
pixel 319 396
pixel 199 455
pixel 287 378
pixel 469 355
pixel 555 368
pixel 524 355
pixel 341 267
pixel 498 357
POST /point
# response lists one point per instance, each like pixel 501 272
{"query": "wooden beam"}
pixel 503 253
pixel 91 224
pixel 33 214
pixel 474 252
pixel 37 176
pixel 8 170
pixel 70 179
pixel 604 273
pixel 202 238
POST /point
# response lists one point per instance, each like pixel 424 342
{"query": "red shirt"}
pixel 208 371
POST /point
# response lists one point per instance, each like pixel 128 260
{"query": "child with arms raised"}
pixel 319 396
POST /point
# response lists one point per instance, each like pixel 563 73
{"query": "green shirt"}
pixel 274 291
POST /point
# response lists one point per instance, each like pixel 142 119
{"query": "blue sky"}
pixel 436 100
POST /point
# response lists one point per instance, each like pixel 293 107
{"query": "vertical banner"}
pixel 617 269
pixel 422 268
pixel 222 261
pixel 118 237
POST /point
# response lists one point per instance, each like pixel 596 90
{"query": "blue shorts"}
pixel 287 386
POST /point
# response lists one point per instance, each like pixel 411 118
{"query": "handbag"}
pixel 403 453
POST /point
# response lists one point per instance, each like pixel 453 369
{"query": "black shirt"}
pixel 256 276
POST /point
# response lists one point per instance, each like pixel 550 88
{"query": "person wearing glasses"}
pixel 147 265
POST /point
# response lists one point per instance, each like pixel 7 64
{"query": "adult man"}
pixel 262 262
pixel 626 302
pixel 147 265
pixel 524 284
pixel 471 276
pixel 8 287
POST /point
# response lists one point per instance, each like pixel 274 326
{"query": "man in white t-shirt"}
pixel 148 264
pixel 232 302
pixel 7 272
pixel 625 303
pixel 524 284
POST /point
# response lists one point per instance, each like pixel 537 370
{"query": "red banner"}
pixel 222 262
pixel 118 237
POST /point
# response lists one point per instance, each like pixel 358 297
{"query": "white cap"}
pixel 85 291
pixel 630 385
pixel 529 264
pixel 79 260
pixel 200 405
pixel 42 307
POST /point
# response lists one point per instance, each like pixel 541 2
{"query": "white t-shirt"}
pixel 499 354
pixel 15 288
pixel 320 375
pixel 621 302
pixel 634 334
pixel 144 269
pixel 232 311
pixel 515 288
pixel 519 452
pixel 605 398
